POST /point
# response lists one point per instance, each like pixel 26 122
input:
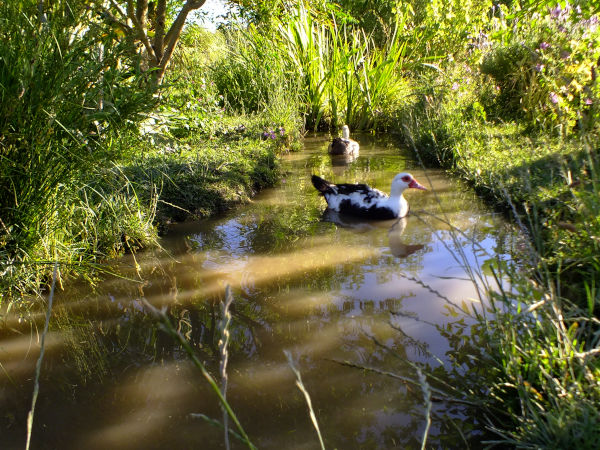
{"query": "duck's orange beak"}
pixel 416 185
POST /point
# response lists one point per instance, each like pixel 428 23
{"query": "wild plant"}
pixel 66 93
pixel 346 78
pixel 221 392
pixel 538 335
pixel 544 62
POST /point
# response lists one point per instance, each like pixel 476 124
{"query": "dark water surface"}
pixel 325 288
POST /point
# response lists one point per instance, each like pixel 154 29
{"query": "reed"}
pixel 38 366
pixel 223 342
pixel 302 388
pixel 337 72
pixel 346 78
pixel 170 329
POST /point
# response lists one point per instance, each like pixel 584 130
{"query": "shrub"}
pixel 546 70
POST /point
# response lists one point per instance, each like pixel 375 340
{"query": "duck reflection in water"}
pixel 397 246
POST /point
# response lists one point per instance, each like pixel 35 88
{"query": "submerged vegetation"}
pixel 97 153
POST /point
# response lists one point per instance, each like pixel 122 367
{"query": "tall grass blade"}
pixel 224 329
pixel 427 398
pixel 171 330
pixel 216 423
pixel 300 385
pixel 38 366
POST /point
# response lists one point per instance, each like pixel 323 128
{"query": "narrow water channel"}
pixel 325 288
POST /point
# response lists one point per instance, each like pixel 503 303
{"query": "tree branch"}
pixel 159 29
pixel 115 20
pixel 141 12
pixel 177 25
pixel 174 32
pixel 142 35
pixel 118 8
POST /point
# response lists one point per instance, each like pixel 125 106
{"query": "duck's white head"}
pixel 404 181
pixel 346 132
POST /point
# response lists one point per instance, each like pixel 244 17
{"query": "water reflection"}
pixel 395 229
pixel 325 287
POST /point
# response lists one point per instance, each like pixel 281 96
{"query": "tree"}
pixel 144 24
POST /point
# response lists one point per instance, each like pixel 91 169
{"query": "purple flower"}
pixel 553 97
pixel 455 86
pixel 588 101
pixel 538 67
pixel 281 131
pixel 544 45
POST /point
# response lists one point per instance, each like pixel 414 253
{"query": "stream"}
pixel 339 294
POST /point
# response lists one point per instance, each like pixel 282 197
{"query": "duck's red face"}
pixel 412 183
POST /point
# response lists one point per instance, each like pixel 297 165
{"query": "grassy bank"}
pixel 207 173
pixel 123 207
pixel 95 160
pixel 497 123
pixel 541 348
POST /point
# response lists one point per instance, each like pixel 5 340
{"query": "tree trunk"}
pixel 172 37
pixel 134 23
pixel 159 30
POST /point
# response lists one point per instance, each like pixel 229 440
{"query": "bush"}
pixel 546 71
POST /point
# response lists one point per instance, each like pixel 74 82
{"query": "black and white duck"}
pixel 364 201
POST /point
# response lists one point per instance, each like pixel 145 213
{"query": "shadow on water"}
pixel 326 288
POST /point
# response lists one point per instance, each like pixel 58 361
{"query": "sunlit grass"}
pixel 541 368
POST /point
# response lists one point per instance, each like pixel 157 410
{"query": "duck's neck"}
pixel 346 133
pixel 398 203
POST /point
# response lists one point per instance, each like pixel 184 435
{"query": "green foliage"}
pixel 328 72
pixel 444 27
pixel 64 97
pixel 545 69
pixel 541 374
pixel 546 366
pixel 517 118
pixel 199 178
pixel 510 68
pixel 253 77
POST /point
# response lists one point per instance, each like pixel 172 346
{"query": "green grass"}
pixel 550 184
pixel 91 162
pixel 207 174
pixel 540 349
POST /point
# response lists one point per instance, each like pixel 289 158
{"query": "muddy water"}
pixel 328 289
